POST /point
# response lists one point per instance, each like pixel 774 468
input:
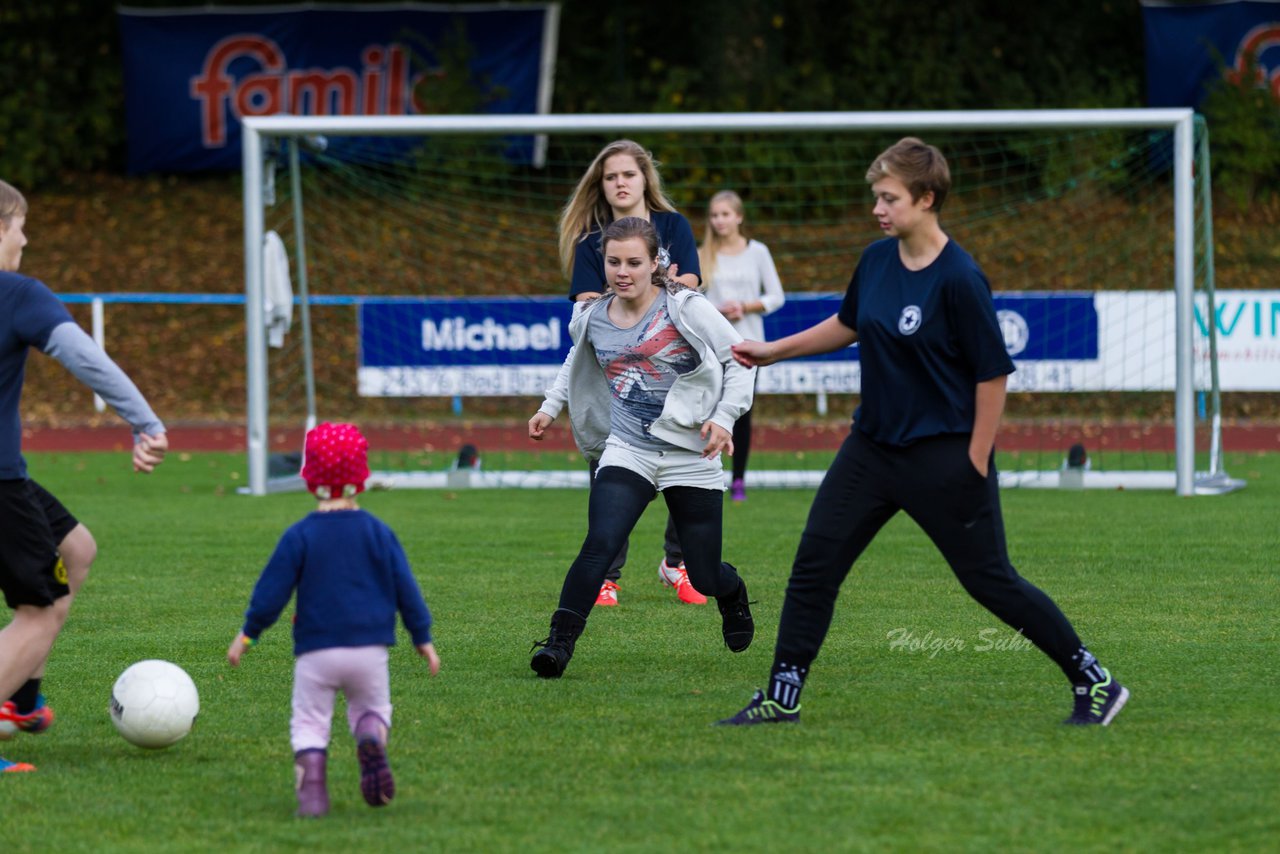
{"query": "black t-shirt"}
pixel 675 245
pixel 926 338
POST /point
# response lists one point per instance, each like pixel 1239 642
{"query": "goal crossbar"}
pixel 257 130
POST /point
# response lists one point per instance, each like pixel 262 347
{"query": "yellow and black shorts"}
pixel 32 524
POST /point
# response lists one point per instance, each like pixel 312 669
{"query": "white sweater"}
pixel 718 390
pixel 746 277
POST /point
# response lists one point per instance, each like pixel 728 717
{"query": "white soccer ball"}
pixel 154 703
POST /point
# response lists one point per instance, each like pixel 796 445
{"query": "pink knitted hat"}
pixel 335 462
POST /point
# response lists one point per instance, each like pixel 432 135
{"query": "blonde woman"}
pixel 623 181
pixel 742 282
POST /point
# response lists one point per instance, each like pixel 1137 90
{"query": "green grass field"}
pixel 955 745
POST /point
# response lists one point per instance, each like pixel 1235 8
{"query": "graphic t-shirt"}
pixel 641 364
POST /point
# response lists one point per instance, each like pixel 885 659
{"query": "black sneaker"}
pixel 1099 703
pixel 550 661
pixel 735 616
pixel 762 711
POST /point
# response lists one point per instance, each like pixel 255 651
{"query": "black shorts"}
pixel 32 524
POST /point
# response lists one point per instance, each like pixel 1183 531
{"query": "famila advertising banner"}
pixel 191 75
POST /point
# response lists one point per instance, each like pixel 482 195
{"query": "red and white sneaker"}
pixel 37 720
pixel 608 595
pixel 678 577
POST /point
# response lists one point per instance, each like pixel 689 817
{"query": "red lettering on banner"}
pixel 380 88
pixel 372 59
pixel 1254 43
pixel 397 92
pixel 323 93
pixel 259 95
pixel 213 85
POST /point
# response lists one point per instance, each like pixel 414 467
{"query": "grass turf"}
pixel 952 742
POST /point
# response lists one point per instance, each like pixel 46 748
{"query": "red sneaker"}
pixel 38 719
pixel 608 595
pixel 678 577
pixel 7 767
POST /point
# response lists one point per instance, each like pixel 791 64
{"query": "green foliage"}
pixel 932 749
pixel 61 94
pixel 1243 113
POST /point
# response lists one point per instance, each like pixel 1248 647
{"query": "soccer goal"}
pixel 420 256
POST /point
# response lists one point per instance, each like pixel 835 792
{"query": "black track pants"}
pixel 934 482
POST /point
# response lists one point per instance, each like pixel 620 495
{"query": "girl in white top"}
pixel 743 283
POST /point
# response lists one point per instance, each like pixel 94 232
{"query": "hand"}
pixel 428 651
pixel 148 452
pixel 752 354
pixel 718 439
pixel 538 425
pixel 978 462
pixel 733 310
pixel 237 648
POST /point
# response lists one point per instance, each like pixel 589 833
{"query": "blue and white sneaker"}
pixel 1098 703
pixel 762 711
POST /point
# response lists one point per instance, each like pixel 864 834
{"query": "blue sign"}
pixel 1182 39
pixel 191 75
pixel 481 346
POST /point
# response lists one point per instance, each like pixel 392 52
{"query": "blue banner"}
pixel 191 75
pixel 1182 39
pixel 480 346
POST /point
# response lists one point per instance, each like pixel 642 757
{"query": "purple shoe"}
pixel 309 775
pixel 738 490
pixel 376 783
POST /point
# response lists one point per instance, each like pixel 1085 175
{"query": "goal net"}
pixel 418 256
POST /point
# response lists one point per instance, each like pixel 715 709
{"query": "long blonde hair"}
pixel 712 242
pixel 588 211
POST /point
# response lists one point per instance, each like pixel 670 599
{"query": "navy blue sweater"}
pixel 351 577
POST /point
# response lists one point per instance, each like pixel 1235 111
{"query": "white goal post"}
pixel 259 131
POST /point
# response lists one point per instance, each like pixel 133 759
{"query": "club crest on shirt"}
pixel 909 320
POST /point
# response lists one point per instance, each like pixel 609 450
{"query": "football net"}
pixel 417 259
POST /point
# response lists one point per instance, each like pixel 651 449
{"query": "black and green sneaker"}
pixel 762 711
pixel 1098 703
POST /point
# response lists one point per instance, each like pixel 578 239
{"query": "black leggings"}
pixel 937 486
pixel 619 497
pixel 741 444
pixel 670 541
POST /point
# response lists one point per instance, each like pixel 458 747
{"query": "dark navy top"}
pixel 926 338
pixel 29 311
pixel 675 245
pixel 351 576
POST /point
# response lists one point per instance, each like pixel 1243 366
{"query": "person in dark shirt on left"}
pixel 351 577
pixel 45 552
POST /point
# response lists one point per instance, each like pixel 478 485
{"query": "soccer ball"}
pixel 154 703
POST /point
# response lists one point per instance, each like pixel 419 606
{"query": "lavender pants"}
pixel 359 672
